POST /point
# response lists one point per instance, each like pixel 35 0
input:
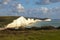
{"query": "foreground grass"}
pixel 30 35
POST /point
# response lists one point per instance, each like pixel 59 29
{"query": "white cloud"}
pixel 5 1
pixel 14 7
pixel 20 8
pixel 44 9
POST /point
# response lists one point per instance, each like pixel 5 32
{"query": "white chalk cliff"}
pixel 21 22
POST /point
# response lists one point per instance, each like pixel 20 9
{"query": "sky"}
pixel 31 8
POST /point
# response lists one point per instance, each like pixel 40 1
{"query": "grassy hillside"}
pixel 4 20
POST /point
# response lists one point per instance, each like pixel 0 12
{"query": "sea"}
pixel 53 22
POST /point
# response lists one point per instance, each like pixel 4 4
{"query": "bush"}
pixel 47 27
pixel 40 28
pixel 35 28
pixel 58 27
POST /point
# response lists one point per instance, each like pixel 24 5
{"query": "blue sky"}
pixel 31 8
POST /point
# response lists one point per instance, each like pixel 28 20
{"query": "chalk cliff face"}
pixel 47 20
pixel 21 22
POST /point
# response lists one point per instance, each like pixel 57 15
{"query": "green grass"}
pixel 30 35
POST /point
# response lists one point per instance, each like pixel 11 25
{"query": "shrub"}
pixel 35 28
pixel 58 27
pixel 47 27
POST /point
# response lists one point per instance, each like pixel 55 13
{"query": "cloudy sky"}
pixel 31 8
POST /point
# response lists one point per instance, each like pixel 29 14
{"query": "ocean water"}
pixel 53 22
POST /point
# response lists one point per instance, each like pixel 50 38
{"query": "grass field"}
pixel 30 35
pixel 26 34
